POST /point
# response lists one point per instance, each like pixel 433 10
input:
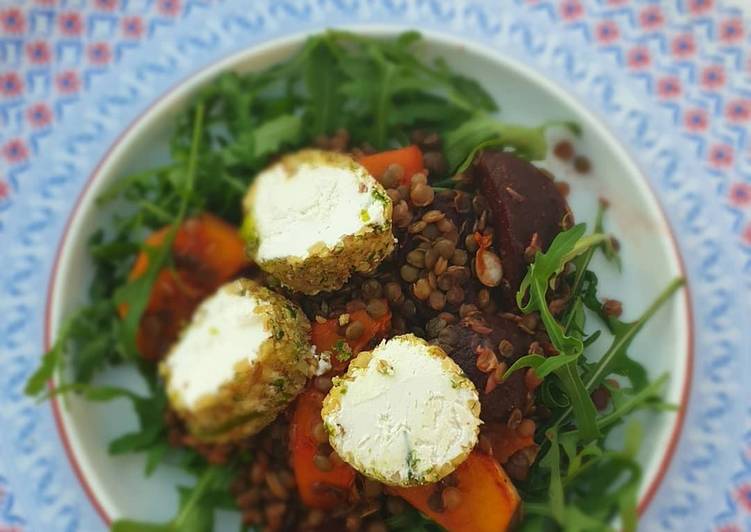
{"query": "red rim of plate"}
pixel 648 494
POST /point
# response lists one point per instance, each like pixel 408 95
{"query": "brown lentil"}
pixel 393 292
pixel 315 518
pixel 248 499
pixel 409 309
pixel 394 195
pixel 505 348
pixel 258 472
pixel 421 289
pixel 517 465
pixel 460 273
pixel 459 257
pixel 531 380
pixel 409 273
pixel 445 225
pixel 462 202
pixel 431 257
pixel 612 307
pixel 275 486
pixel 433 216
pixel 469 243
pixel 431 232
pixel 355 305
pixel 564 150
pixel 582 164
pixel 322 463
pixel 422 195
pixel 377 308
pixel 445 282
pixel 567 222
pixel 319 433
pixel 535 349
pixel 418 178
pixel 557 306
pixel 526 428
pixel 452 236
pixel 354 330
pixel 417 227
pixel 352 523
pixel 467 310
pixel 392 176
pixel 371 288
pixel 440 266
pixel 416 258
pixel 403 192
pixel 435 326
pixel 437 300
pixel 564 189
pixel 434 162
pixel 448 335
pixel 515 419
pixel 531 250
pixel 445 248
pixel 529 323
pixel 483 298
pixel 452 498
pixel 401 216
pixel 435 501
pixel 431 141
pixel 601 398
pixel 322 383
pixel 447 317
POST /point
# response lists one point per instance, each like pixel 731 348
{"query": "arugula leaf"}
pixel 51 361
pixel 615 356
pixel 135 294
pixel 543 366
pixel 461 145
pixel 322 79
pixel 197 506
pixel 412 521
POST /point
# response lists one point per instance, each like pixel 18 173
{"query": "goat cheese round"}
pixel 243 357
pixel 403 414
pixel 314 217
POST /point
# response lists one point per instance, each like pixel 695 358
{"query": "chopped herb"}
pixel 379 196
pixel 342 351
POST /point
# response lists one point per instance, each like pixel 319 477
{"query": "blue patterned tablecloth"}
pixel 671 78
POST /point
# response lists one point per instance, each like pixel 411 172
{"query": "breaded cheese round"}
pixel 315 217
pixel 403 414
pixel 243 357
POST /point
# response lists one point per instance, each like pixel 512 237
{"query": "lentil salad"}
pixel 489 266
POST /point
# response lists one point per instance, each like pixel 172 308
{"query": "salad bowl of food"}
pixel 368 279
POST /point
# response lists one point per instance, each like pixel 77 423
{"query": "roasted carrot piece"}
pixel 489 501
pixel 409 158
pixel 318 488
pixel 325 336
pixel 206 252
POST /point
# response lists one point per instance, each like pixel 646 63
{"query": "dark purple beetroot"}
pixel 510 394
pixel 523 201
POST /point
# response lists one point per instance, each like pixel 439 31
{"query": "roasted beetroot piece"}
pixel 478 337
pixel 527 212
